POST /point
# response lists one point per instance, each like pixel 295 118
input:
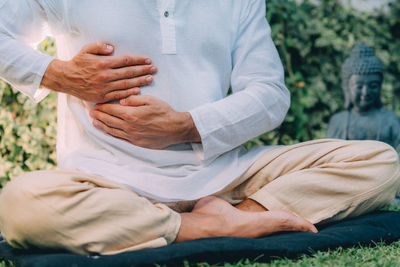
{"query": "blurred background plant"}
pixel 313 38
pixel 27 130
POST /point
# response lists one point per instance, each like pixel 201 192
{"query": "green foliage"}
pixel 313 41
pixel 6 264
pixel 27 130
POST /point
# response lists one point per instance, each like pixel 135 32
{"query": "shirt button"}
pixel 166 14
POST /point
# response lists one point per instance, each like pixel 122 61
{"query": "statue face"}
pixel 365 90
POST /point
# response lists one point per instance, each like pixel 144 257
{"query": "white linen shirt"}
pixel 201 48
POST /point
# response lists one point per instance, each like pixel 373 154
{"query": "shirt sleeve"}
pixel 260 99
pixel 23 24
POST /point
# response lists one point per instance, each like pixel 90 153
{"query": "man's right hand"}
pixel 93 75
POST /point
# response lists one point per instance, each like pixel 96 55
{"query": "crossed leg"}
pixel 318 181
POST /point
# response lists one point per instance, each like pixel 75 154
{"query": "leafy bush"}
pixel 27 130
pixel 313 41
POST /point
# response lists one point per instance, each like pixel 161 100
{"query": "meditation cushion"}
pixel 364 230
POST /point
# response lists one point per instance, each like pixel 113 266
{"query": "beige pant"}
pixel 322 180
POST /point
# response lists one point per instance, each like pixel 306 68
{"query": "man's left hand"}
pixel 145 121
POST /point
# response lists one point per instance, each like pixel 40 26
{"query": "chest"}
pixel 154 26
pixel 373 127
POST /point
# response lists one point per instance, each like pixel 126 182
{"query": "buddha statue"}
pixel 364 117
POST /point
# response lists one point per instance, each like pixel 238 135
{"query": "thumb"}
pixel 135 100
pixel 98 48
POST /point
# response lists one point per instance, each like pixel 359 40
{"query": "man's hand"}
pixel 95 76
pixel 145 121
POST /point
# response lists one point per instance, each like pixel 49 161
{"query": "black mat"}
pixel 364 230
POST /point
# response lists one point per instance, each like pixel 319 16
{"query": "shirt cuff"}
pixel 210 147
pixel 38 93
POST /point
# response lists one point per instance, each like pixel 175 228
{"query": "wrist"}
pixel 190 132
pixel 52 78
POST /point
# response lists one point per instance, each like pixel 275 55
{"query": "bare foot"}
pixel 212 217
pixel 250 205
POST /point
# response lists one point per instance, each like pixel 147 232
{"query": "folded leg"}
pixel 322 180
pixel 83 213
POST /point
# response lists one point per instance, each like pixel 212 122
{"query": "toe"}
pixel 291 222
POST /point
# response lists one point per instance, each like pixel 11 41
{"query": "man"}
pixel 131 173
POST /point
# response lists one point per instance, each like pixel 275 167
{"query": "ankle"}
pixel 198 225
pixel 251 205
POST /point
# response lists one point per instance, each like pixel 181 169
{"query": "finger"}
pixel 130 83
pixel 136 100
pixel 131 72
pixel 113 110
pixel 107 119
pixel 98 48
pixel 121 94
pixel 122 139
pixel 109 130
pixel 120 61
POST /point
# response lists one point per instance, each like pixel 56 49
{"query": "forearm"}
pixel 53 77
pixel 22 66
pixel 260 98
pixel 232 121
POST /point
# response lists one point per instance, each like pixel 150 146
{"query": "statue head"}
pixel 362 76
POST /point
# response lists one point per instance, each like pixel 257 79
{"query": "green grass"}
pixel 5 264
pixel 379 254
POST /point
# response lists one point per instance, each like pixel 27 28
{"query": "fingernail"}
pixel 149 78
pixel 153 69
pixel 148 61
pixel 109 47
pixel 95 123
pixel 122 101
pixel 91 113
